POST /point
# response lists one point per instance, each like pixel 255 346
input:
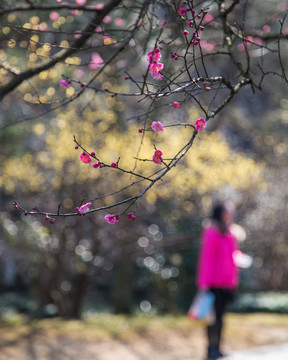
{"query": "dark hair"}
pixel 217 212
pixel 217 217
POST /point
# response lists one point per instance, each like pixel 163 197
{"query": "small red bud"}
pixel 92 153
pixel 26 213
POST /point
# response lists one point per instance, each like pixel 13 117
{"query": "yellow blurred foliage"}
pixel 208 166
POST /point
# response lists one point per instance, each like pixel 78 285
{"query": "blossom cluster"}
pixel 154 66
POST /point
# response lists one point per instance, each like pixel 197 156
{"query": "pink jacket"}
pixel 216 267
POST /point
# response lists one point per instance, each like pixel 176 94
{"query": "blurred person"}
pixel 217 272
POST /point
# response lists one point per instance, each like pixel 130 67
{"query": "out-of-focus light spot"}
pixel 153 229
pixel 143 241
pixel 145 306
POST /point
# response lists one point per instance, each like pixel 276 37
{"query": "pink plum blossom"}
pixel 80 2
pixel 96 61
pixel 131 216
pixel 200 124
pixel 182 11
pixel 54 16
pixel 185 32
pixel 83 208
pixel 119 22
pixel 176 105
pixel 111 218
pixel 208 18
pixel 266 28
pixel 208 45
pixel 77 34
pixel 157 76
pixel 157 157
pixel 154 67
pixel 64 83
pixel 157 126
pixel 154 70
pixel 107 20
pixel 153 56
pixel 85 158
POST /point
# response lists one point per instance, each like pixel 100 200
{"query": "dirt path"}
pixel 29 344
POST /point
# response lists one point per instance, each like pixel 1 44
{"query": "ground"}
pixel 152 339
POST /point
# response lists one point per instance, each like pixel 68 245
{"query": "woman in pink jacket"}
pixel 217 271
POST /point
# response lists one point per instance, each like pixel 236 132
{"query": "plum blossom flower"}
pixel 83 208
pixel 157 76
pixel 154 70
pixel 85 158
pixel 153 56
pixel 200 124
pixel 96 61
pixel 182 11
pixel 111 218
pixel 176 105
pixel 54 16
pixel 119 21
pixel 154 66
pixel 131 216
pixel 64 83
pixel 157 157
pixel 157 126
